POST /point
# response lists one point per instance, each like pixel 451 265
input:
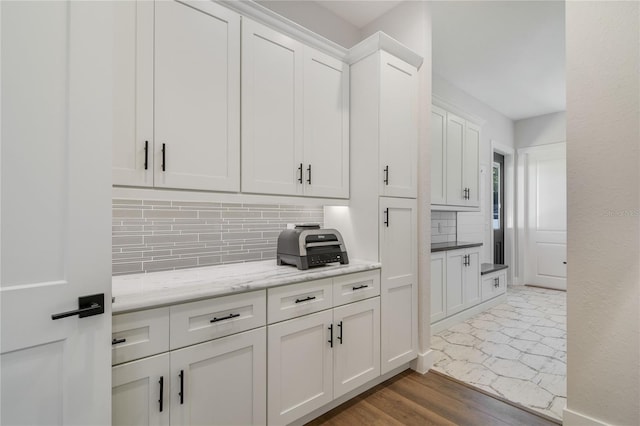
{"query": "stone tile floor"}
pixel 516 350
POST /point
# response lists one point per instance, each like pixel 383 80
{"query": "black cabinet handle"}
pixel 160 401
pixel 146 155
pixel 117 341
pixel 300 173
pixel 340 327
pixel 225 318
pixel 181 393
pixel 359 287
pixel 306 299
pixel 87 307
pixel 386 175
pixel 309 172
pixel 386 217
pixel 331 335
pixel 164 160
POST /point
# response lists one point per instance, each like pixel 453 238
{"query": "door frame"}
pixel 522 220
pixel 510 248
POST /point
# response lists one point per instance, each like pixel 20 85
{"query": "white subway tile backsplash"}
pixel 443 226
pixel 156 235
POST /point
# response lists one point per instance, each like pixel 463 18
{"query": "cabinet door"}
pixel 140 392
pixel 398 127
pixel 471 164
pixel 326 125
pixel 455 166
pixel 132 144
pixel 438 290
pixel 221 382
pixel 197 96
pixel 300 366
pixel 455 281
pixel 272 105
pixel 438 155
pixel 399 289
pixel 471 278
pixel 357 345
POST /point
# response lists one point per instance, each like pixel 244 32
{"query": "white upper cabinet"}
pixel 177 91
pixel 271 111
pixel 455 161
pixel 398 127
pixel 133 94
pixel 326 125
pixel 295 117
pixel 197 94
pixel 438 157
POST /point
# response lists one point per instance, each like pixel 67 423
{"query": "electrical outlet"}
pixel 439 227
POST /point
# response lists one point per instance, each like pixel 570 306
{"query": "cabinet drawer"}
pixel 139 334
pixel 493 284
pixel 354 287
pixel 212 318
pixel 293 300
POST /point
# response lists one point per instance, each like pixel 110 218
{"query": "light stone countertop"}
pixel 149 290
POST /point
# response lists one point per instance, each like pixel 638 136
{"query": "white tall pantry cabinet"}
pixel 384 143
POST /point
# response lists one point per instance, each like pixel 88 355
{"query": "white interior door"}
pixel 546 216
pixel 56 210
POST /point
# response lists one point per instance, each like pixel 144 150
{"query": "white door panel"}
pixel 455 140
pixel 546 211
pixel 56 208
pixel 438 155
pixel 197 95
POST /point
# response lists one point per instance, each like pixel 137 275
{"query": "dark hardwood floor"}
pixel 431 399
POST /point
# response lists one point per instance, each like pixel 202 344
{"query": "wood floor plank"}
pixel 431 399
pixel 479 400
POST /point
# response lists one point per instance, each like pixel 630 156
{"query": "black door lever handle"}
pixel 87 306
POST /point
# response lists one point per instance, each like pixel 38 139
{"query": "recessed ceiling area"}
pixel 508 54
pixel 359 13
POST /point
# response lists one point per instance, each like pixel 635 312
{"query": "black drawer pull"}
pixel 164 159
pixel 386 217
pixel 117 341
pixel 300 173
pixel 225 318
pixel 360 287
pixel 306 299
pixel 330 335
pixel 309 172
pixel 340 336
pixel 386 175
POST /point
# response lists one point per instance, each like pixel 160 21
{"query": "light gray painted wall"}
pixel 410 24
pixel 318 19
pixel 541 130
pixel 603 187
pixel 476 226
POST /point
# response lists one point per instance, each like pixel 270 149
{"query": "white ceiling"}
pixel 359 13
pixel 508 54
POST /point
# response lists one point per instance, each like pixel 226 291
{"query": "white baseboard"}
pixel 424 362
pixel 437 327
pixel 573 418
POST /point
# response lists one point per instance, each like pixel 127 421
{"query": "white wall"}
pixel 541 130
pixel 410 24
pixel 497 127
pixel 316 18
pixel 603 182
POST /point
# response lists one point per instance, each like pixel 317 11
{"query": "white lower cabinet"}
pixel 221 382
pixel 316 358
pixel 140 392
pixel 494 284
pixel 455 282
pixel 438 286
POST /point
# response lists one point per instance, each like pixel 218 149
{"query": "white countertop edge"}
pixel 156 289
